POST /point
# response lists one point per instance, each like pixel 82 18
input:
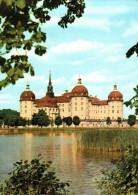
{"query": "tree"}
pixel 34 119
pixel 58 121
pixel 131 120
pixel 21 31
pixel 42 119
pixel 34 178
pixel 123 178
pixel 119 120
pixel 108 121
pixel 69 120
pixel 132 50
pixel 21 121
pixel 76 120
pixel 133 102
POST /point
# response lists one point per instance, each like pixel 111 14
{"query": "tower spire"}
pixel 115 87
pixel 50 87
pixel 27 86
pixel 79 81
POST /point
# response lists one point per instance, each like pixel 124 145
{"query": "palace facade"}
pixel 77 102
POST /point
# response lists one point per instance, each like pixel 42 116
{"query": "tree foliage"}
pixel 69 120
pixel 76 120
pixel 108 121
pixel 21 31
pixel 58 121
pixel 131 120
pixel 119 120
pixel 132 50
pixel 10 117
pixel 123 179
pixel 133 102
pixel 34 178
pixel 40 119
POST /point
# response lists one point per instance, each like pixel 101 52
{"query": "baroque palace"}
pixel 74 103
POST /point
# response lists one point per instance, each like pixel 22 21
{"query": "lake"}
pixel 70 161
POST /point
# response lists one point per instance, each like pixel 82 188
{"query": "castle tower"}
pixel 50 92
pixel 26 103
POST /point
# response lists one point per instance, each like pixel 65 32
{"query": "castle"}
pixel 74 103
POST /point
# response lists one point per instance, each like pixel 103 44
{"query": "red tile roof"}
pixel 115 96
pixel 79 90
pixel 47 101
pixel 62 99
pixel 27 96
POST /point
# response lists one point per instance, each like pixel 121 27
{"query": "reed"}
pixel 108 140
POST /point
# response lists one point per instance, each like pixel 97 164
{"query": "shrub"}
pixel 33 178
pixel 123 179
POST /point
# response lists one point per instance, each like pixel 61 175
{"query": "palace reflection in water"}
pixel 70 162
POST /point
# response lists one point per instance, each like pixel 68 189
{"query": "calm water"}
pixel 71 163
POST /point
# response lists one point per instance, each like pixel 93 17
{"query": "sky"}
pixel 93 47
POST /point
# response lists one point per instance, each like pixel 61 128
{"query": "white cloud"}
pixel 132 29
pixel 129 86
pixel 115 58
pixel 112 48
pixel 108 10
pixel 101 24
pixel 7 96
pixel 83 46
pixel 77 46
pixel 39 93
pixel 96 77
pixel 53 20
pixel 58 81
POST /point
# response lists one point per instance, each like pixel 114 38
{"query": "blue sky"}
pixel 93 47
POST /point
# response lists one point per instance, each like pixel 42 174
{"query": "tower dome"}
pixel 27 95
pixel 115 95
pixel 79 89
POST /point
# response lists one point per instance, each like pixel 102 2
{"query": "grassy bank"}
pixel 98 139
pixel 109 139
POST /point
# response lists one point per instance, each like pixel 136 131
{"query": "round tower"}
pixel 27 99
pixel 115 102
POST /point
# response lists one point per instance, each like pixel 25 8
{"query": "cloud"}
pixel 58 81
pixel 132 29
pixel 77 46
pixel 101 24
pixel 85 46
pixel 39 93
pixel 100 76
pixel 7 96
pixel 115 58
pixel 108 10
pixel 129 86
pixel 95 77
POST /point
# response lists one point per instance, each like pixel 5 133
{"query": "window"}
pixel 25 111
pixel 75 93
pixel 81 103
pixel 112 111
pixel 75 108
pixel 81 98
pixel 75 103
pixel 117 111
pixel 112 106
pixel 62 110
pixel 25 106
pixel 81 93
pixel 104 111
pixel 75 98
pixel 25 102
pixel 81 108
pixel 62 104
